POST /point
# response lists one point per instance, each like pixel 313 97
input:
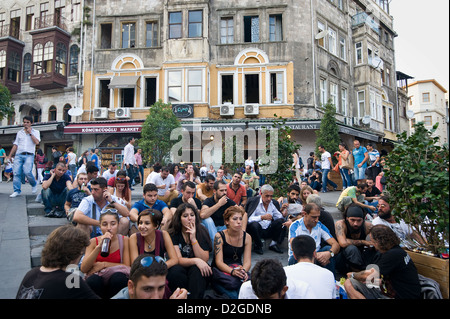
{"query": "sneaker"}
pixel 59 214
pixel 34 189
pixel 15 194
pixel 50 214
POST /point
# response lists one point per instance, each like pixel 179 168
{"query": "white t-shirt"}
pixel 297 290
pixel 320 279
pixel 71 159
pixel 325 160
pixel 158 181
pixel 400 229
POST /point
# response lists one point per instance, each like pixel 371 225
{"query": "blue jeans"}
pixel 346 181
pixel 359 172
pixel 52 200
pixel 326 181
pixel 23 167
pixel 212 228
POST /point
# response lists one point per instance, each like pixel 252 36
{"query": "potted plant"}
pixel 417 181
pixel 276 100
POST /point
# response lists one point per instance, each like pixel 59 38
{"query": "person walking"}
pixel 327 164
pixel 24 147
pixel 129 161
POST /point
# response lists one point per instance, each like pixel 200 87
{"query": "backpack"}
pixel 429 288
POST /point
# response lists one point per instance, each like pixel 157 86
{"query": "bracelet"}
pixel 196 242
pixel 231 273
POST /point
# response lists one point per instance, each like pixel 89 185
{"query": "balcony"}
pixel 50 20
pixel 362 18
pixel 11 50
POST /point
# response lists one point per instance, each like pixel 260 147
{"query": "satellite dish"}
pixel 75 111
pixel 410 114
pixel 321 34
pixel 366 119
pixel 376 62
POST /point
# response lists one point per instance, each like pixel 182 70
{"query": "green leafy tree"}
pixel 280 180
pixel 417 181
pixel 155 136
pixel 6 106
pixel 328 134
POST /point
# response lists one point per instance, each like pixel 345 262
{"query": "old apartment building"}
pixel 228 64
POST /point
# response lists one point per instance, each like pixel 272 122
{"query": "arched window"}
pixel 26 67
pixel 74 52
pixel 61 59
pixel 52 113
pixel 48 57
pixel 66 115
pixel 36 115
pixel 38 52
pixel 14 67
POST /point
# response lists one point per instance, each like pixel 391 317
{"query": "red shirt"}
pixel 237 195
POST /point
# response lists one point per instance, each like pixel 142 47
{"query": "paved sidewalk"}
pixel 15 241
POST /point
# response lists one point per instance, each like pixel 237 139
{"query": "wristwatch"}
pixel 332 254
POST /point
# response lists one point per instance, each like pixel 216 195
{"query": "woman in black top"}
pixel 232 251
pixel 192 245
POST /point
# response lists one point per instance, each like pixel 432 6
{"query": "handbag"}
pixel 226 280
pixel 348 164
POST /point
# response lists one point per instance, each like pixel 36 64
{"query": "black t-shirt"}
pixel 374 192
pixel 54 285
pixel 217 216
pixel 186 249
pixel 399 274
pixel 179 200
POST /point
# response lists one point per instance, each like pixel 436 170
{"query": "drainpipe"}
pixel 313 55
pixel 92 60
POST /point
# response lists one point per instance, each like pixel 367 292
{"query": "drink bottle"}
pixel 106 244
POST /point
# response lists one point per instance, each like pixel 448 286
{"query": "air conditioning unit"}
pixel 227 110
pixel 100 113
pixel 123 113
pixel 251 109
pixel 356 121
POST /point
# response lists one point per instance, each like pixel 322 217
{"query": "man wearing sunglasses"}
pixel 148 281
pixel 88 213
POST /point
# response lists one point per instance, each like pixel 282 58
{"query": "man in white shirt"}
pixel 327 165
pixel 129 161
pixel 111 172
pixel 265 220
pixel 269 281
pixel 23 150
pixel 165 182
pixel 320 279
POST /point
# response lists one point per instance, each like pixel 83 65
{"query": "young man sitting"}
pixel 54 191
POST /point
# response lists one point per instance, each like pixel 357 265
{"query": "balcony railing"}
pixel 363 18
pixel 50 20
pixel 10 30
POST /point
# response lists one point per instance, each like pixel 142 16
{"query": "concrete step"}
pixel 40 225
pixel 37 244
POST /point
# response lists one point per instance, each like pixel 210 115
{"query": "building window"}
pixel 195 85
pixel 37 58
pixel 151 39
pixel 66 116
pixel 14 67
pixel 227 88
pixel 52 113
pixel 344 102
pixel 174 86
pixel 342 49
pixel 426 97
pixel 323 92
pixel 195 22
pixel 150 91
pixel 276 88
pixel 2 63
pixel 427 120
pixel 29 23
pixel 332 41
pixel 105 36
pixel 361 100
pixel 128 35
pixel 226 30
pixel 275 27
pixel 334 94
pixel 43 10
pixel 74 53
pixel 251 88
pixel 175 26
pixel 61 59
pixel 26 67
pixel 358 51
pixel 321 28
pixel 76 10
pixel 127 97
pixel 48 57
pixel 104 94
pixel 251 29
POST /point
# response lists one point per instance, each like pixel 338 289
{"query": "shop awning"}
pixel 123 82
pixel 104 128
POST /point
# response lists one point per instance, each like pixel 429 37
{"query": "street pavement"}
pixel 15 244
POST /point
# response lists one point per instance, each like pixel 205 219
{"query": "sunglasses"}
pixel 147 261
pixel 121 179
